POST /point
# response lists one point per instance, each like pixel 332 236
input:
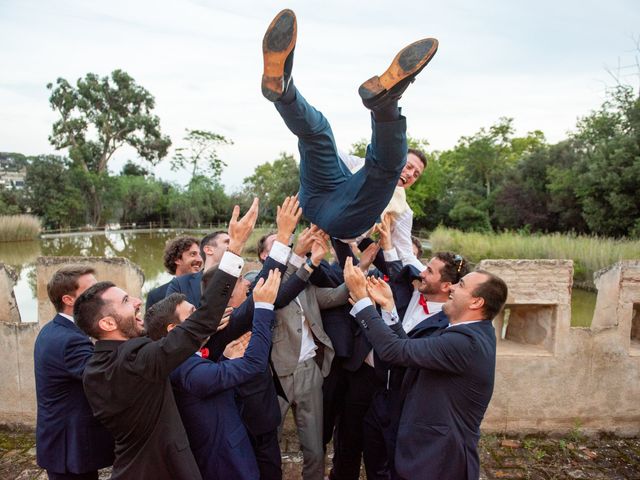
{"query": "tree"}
pixel 97 117
pixel 53 192
pixel 271 182
pixel 201 155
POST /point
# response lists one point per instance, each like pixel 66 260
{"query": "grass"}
pixel 589 253
pixel 15 228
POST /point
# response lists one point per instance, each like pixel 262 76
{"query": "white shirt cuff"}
pixel 279 252
pixel 231 264
pixel 390 318
pixel 296 260
pixel 360 305
pixel 390 255
pixel 265 305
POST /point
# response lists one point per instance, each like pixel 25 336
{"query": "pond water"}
pixel 145 248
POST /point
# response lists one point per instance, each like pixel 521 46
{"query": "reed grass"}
pixel 589 253
pixel 15 228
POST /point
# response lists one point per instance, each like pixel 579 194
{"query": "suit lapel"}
pixel 194 285
pixel 439 320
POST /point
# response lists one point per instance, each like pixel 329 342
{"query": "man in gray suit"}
pixel 302 351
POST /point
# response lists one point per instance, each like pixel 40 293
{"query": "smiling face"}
pixel 190 261
pixel 462 304
pixel 430 279
pixel 411 171
pixel 125 310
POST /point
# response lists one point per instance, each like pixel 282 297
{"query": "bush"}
pixel 14 228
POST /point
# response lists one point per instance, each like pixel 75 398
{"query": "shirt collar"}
pixel 68 317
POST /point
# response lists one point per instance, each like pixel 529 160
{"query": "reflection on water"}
pixel 145 250
pixel 142 248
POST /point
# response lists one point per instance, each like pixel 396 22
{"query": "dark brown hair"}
pixel 420 154
pixel 65 282
pixel 262 243
pixel 209 239
pixel 494 292
pixel 174 250
pixel 455 266
pixel 161 315
pixel 88 308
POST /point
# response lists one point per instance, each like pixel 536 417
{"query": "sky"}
pixel 544 63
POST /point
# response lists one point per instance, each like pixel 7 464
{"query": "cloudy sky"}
pixel 543 63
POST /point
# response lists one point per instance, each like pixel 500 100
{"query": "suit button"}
pixel 299 330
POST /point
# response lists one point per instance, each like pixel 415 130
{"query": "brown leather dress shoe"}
pixel 278 45
pixel 380 90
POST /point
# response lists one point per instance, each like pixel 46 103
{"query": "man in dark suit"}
pixel 448 380
pixel 70 442
pixel 204 389
pixel 182 256
pixel 127 379
pixel 212 246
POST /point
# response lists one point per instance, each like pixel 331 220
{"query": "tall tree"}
pixel 200 156
pixel 100 115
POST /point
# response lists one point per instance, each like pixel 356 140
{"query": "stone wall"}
pixel 550 377
pixel 17 384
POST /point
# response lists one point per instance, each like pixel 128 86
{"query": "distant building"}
pixel 12 170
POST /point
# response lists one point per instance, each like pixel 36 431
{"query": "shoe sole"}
pixel 278 42
pixel 406 65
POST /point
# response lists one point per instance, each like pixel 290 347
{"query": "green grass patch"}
pixel 589 253
pixel 15 228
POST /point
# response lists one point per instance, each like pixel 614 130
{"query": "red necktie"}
pixel 423 302
pixel 204 352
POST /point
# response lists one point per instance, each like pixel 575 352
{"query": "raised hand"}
pixel 267 291
pixel 287 218
pixel 225 319
pixel 380 292
pixel 368 256
pixel 240 230
pixel 384 229
pixel 305 241
pixel 355 280
pixel 236 348
pixel 320 247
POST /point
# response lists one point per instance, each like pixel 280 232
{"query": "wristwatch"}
pixel 310 264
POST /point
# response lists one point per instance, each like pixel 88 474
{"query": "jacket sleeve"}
pixel 77 352
pixel 332 297
pixel 449 352
pixel 156 360
pixel 208 378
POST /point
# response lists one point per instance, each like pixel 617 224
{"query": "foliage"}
pixel 203 202
pixel 591 253
pixel 201 156
pixel 15 228
pixel 52 192
pixel 97 117
pixel 271 182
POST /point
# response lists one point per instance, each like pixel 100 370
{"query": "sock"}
pixel 290 94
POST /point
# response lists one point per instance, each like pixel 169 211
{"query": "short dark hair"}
pixel 65 282
pixel 418 244
pixel 89 307
pixel 262 243
pixel 455 266
pixel 208 240
pixel 174 250
pixel 420 154
pixel 163 314
pixel 494 292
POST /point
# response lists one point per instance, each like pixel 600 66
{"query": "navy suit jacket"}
pixel 445 392
pixel 189 285
pixel 155 295
pixel 69 439
pixel 204 394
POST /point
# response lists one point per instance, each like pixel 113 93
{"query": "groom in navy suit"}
pixel 70 442
pixel 449 375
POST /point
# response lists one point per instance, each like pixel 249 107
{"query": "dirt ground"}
pixel 533 457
